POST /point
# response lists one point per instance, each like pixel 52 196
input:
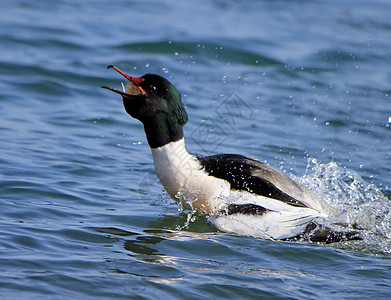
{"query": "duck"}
pixel 237 194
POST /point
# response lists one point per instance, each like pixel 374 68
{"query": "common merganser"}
pixel 238 194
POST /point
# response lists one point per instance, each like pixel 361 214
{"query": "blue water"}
pixel 302 85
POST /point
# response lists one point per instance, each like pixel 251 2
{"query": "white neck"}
pixel 173 165
pixel 184 180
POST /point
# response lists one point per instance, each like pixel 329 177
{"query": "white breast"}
pixel 181 175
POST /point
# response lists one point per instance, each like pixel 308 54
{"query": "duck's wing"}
pixel 265 206
pixel 248 174
pixel 245 174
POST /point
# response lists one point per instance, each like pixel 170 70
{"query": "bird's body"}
pixel 238 194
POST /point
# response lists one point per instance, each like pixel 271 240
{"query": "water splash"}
pixel 191 217
pixel 364 205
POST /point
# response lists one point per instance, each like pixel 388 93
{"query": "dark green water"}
pixel 82 215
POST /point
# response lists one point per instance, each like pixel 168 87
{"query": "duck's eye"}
pixel 153 87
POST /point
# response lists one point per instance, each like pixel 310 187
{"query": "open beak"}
pixel 133 85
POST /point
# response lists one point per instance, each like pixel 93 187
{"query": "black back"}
pixel 239 171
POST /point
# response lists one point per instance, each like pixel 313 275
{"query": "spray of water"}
pixel 363 205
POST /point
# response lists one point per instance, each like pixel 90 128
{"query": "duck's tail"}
pixel 318 233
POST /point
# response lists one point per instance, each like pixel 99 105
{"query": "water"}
pixel 81 212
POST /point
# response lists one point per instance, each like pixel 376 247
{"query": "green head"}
pixel 154 101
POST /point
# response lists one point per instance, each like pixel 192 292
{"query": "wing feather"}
pixel 249 175
pixel 259 178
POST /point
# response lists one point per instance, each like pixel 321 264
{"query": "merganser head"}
pixel 155 102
